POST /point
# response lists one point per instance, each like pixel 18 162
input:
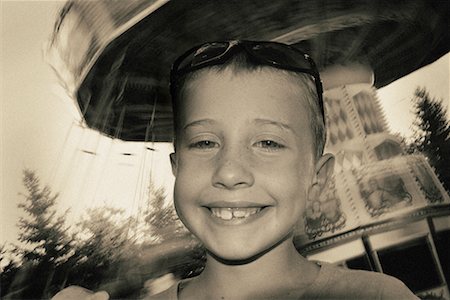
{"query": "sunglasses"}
pixel 273 54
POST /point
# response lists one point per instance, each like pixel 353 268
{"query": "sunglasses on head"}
pixel 273 54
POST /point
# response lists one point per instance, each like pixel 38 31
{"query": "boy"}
pixel 249 127
pixel 250 132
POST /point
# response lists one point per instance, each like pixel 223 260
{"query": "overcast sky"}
pixel 39 130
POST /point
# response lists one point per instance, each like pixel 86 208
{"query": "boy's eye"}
pixel 269 145
pixel 204 145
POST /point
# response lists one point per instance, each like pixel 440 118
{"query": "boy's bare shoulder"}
pixel 338 282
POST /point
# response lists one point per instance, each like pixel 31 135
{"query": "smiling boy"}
pixel 250 133
pixel 249 139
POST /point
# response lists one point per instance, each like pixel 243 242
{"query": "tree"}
pixel 102 244
pixel 161 217
pixel 45 242
pixel 8 271
pixel 43 229
pixel 432 133
pixel 100 252
pixel 105 251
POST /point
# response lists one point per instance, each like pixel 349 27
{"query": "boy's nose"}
pixel 232 171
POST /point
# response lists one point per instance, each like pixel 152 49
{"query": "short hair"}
pixel 241 62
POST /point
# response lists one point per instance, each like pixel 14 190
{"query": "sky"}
pixel 40 126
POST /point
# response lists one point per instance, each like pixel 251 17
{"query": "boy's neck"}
pixel 281 269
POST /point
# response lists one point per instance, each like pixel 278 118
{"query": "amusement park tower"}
pixel 383 208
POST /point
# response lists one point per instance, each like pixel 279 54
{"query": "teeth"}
pixel 230 213
pixel 240 214
pixel 226 215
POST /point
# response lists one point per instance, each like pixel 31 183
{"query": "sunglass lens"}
pixel 281 55
pixel 204 54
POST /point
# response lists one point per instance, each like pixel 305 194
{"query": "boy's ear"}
pixel 174 164
pixel 324 170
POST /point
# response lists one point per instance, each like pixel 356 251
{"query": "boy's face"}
pixel 244 162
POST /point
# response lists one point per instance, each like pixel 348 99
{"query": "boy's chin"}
pixel 241 256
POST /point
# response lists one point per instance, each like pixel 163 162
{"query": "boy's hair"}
pixel 242 62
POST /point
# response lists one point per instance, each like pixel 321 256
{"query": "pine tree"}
pixel 45 242
pixel 8 271
pixel 432 133
pixel 43 229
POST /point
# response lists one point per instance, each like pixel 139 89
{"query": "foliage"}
pixel 51 258
pixel 45 243
pixel 104 251
pixel 43 230
pixel 432 133
pixel 9 271
pixel 161 218
pixel 101 244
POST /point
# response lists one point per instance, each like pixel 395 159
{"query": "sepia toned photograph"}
pixel 212 149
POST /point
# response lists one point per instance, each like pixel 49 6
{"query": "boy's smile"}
pixel 234 213
pixel 244 159
pixel 230 212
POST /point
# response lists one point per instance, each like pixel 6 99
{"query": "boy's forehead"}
pixel 266 91
pixel 266 77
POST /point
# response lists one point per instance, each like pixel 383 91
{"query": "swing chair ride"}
pixel 114 57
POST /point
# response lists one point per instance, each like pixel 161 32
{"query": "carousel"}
pixel 384 210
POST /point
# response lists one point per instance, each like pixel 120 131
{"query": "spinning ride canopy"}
pixel 114 57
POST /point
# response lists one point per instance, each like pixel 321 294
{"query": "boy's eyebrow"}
pixel 199 123
pixel 259 122
pixel 275 123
